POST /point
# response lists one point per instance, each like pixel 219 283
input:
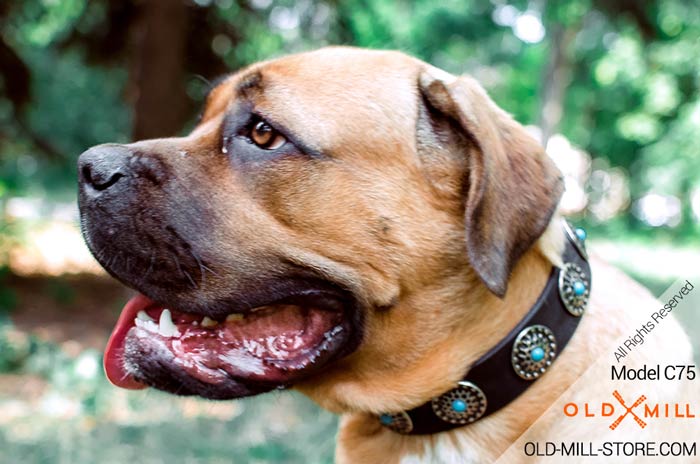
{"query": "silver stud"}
pixel 399 422
pixel 574 288
pixel 534 350
pixel 576 240
pixel 461 405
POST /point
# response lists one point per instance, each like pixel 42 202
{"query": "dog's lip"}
pixel 321 300
pixel 113 361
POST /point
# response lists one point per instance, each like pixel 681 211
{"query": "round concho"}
pixel 461 405
pixel 398 422
pixel 578 238
pixel 533 351
pixel 574 288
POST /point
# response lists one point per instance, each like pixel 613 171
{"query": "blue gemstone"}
pixel 579 288
pixel 386 419
pixel 537 354
pixel 581 234
pixel 459 406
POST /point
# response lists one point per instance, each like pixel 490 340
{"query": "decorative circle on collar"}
pixel 578 238
pixel 461 405
pixel 534 351
pixel 399 422
pixel 574 288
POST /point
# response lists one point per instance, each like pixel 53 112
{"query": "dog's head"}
pixel 296 234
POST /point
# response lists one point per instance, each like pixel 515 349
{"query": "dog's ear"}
pixel 512 187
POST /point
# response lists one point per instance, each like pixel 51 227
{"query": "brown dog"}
pixel 356 224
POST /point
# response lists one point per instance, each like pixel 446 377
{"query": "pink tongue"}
pixel 114 352
pixel 251 348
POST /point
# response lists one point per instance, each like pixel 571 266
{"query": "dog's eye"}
pixel 265 136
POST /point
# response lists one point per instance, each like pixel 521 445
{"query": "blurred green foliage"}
pixel 620 80
pixel 626 74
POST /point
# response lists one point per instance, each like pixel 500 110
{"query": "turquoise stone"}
pixel 459 406
pixel 537 354
pixel 579 288
pixel 581 234
pixel 386 419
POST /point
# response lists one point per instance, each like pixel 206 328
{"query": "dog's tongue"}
pixel 114 352
pixel 271 343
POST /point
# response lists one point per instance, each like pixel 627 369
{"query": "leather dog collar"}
pixel 525 354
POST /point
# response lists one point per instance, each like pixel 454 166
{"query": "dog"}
pixel 355 224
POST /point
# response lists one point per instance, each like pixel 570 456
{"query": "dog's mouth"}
pixel 226 356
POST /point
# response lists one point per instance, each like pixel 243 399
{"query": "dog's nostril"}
pixel 100 181
pixel 111 181
pixel 103 166
pixel 87 175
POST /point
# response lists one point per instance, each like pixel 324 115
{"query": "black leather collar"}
pixel 525 354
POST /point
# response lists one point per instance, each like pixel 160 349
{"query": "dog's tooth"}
pixel 166 328
pixel 235 317
pixel 208 322
pixel 143 316
pixel 149 326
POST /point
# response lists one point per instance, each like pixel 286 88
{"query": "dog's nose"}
pixel 101 167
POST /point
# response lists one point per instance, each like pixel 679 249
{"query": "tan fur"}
pixel 390 226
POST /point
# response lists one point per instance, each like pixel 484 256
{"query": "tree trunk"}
pixel 157 71
pixel 556 78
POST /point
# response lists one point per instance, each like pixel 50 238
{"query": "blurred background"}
pixel 609 87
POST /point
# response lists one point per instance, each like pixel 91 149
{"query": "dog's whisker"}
pixel 210 270
pixel 182 271
pixel 111 261
pixel 202 276
pixel 152 261
pixel 189 277
pixel 178 264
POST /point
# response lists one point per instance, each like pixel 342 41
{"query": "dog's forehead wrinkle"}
pixel 309 91
pixel 218 100
pixel 250 83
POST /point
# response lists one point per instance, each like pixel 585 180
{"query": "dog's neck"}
pixel 487 320
pixel 492 317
